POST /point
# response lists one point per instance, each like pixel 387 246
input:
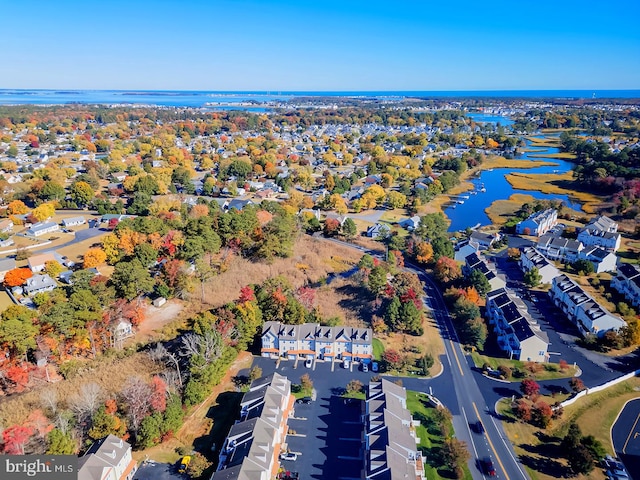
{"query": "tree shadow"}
pixel 222 415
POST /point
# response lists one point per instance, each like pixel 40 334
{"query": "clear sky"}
pixel 320 45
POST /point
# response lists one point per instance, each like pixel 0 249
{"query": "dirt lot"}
pixel 156 318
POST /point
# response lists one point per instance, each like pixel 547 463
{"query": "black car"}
pixel 479 427
pixel 487 467
pixel 304 400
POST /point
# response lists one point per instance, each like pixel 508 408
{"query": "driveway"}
pixel 328 430
pixel 158 471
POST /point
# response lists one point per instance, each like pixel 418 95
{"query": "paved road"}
pixel 625 434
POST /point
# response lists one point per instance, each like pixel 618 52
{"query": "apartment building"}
pixel 538 223
pixel 532 258
pixel 312 340
pixel 390 440
pixel 252 449
pixel 627 282
pixel 601 232
pixel 107 459
pixel 474 262
pixel 518 335
pixel 559 248
pixel 581 309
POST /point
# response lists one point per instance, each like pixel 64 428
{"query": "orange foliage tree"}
pixel 17 207
pixel 94 257
pixel 17 277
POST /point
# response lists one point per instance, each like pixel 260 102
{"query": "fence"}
pixel 599 388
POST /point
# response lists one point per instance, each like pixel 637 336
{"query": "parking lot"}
pixel 328 436
pixel 158 471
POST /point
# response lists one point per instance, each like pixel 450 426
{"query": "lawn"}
pixel 378 349
pixel 430 436
pixel 549 371
pixel 560 155
pixel 594 414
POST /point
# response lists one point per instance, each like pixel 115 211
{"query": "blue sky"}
pixel 321 45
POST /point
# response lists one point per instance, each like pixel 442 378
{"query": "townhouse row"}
pixel 314 341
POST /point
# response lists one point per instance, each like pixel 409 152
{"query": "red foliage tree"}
pixel 522 409
pixel 447 269
pixel 19 376
pixel 17 277
pixel 331 227
pixel 246 294
pixel 113 223
pixel 529 387
pixel 392 358
pixel 171 270
pixel 542 414
pixel 159 394
pixel 576 384
pixel 15 438
pixel 306 296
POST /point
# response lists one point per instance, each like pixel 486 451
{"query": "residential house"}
pixel 559 248
pixel 73 221
pixel 518 334
pixel 378 230
pixel 6 264
pixel 37 263
pixel 311 340
pixel 484 240
pixel 627 282
pixel 609 241
pixel 390 438
pixel 538 223
pixel 6 226
pixel 581 309
pixel 39 284
pixel 119 176
pixel 120 330
pixel 464 248
pixel 410 223
pixel 107 459
pixel 474 262
pixel 42 228
pixel 532 258
pixel 602 223
pixel 254 443
pixel 239 204
pixel 601 259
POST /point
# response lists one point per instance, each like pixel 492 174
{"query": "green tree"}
pixel 431 226
pixel 150 431
pixel 583 267
pixel 60 443
pixel 533 277
pixel 51 191
pixel 349 228
pixel 392 315
pixel 146 254
pixel 17 329
pixel 377 279
pixel 81 193
pixel 478 280
pixel 442 247
pixel 130 279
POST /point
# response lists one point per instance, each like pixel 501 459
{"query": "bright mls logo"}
pixel 38 467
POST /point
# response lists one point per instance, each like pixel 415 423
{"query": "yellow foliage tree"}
pixel 129 239
pixel 17 207
pixel 110 244
pixel 94 257
pixel 338 204
pixel 53 268
pixel 424 252
pixel 377 192
pixel 44 211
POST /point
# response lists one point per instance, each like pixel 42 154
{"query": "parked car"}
pixel 184 464
pixel 288 456
pixel 615 469
pixel 365 367
pixel 308 362
pixel 304 400
pixel 346 363
pixel 487 467
pixel 374 366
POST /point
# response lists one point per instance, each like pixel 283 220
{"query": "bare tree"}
pixel 63 422
pixel 87 400
pixel 172 379
pixel 137 395
pixel 49 401
pixel 209 345
pixel 162 355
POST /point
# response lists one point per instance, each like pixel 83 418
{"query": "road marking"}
pixel 495 454
pixel 456 356
pixel 630 432
pixel 466 420
pixel 508 449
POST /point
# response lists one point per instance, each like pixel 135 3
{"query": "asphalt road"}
pixel 625 434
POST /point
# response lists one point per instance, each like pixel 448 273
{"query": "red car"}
pixel 487 467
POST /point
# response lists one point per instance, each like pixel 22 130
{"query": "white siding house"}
pixel 538 223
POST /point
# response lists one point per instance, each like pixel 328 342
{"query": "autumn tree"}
pixel 542 414
pixel 94 257
pixel 17 329
pixel 15 438
pixel 392 359
pixel 424 252
pixel 306 383
pixel 576 384
pixel 53 268
pixel 17 277
pixel 331 227
pixel 447 269
pixel 81 193
pixel 522 410
pixel 43 212
pixel 529 387
pixel 17 207
pixel 455 454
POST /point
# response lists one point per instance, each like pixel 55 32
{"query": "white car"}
pixel 346 363
pixel 308 362
pixel 289 456
pixel 365 367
